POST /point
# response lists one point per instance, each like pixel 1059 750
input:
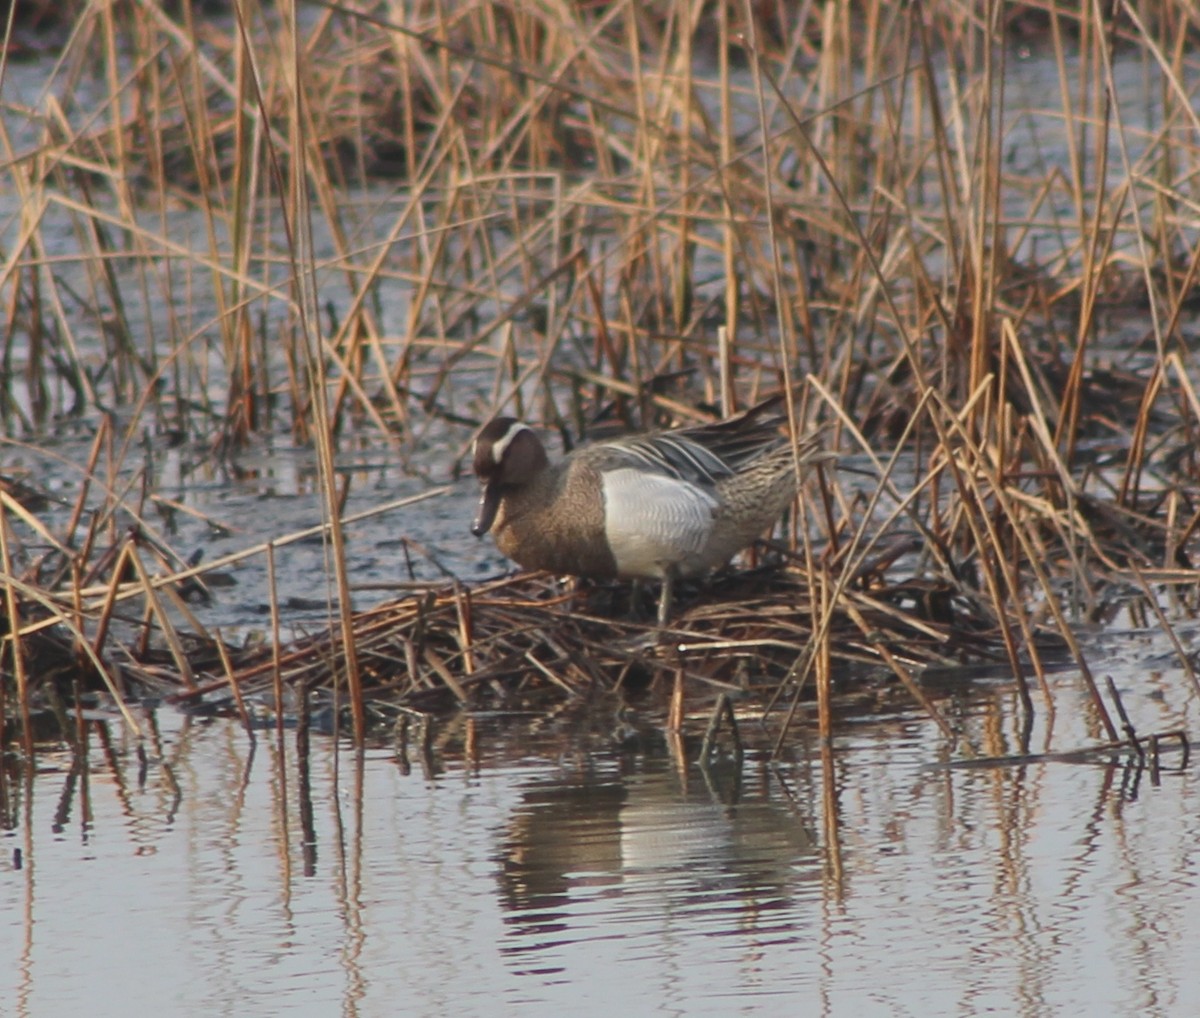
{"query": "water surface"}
pixel 576 865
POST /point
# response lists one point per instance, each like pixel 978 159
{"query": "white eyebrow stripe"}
pixel 500 446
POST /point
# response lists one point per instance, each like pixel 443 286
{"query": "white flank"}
pixel 654 523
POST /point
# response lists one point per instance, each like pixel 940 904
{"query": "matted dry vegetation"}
pixel 408 217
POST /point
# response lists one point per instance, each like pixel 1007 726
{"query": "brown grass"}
pixel 343 223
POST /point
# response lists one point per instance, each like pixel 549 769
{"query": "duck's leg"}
pixel 664 599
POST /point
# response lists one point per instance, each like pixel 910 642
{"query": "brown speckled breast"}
pixel 557 523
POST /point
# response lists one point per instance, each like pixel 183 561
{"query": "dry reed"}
pixel 401 219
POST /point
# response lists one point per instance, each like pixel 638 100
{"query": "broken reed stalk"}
pixel 16 649
pixel 276 667
pixel 231 678
pixel 822 668
pixel 831 825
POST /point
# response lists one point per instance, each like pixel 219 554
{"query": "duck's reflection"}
pixel 686 840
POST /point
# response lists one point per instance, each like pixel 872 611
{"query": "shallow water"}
pixel 573 864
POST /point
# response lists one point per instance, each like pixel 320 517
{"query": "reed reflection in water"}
pixel 520 865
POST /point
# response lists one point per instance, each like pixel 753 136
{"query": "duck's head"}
pixel 508 454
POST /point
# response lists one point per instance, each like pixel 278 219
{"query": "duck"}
pixel 663 505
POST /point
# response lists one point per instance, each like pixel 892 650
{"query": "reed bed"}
pixel 307 223
pixel 509 642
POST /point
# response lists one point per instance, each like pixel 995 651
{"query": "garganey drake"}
pixel 662 505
